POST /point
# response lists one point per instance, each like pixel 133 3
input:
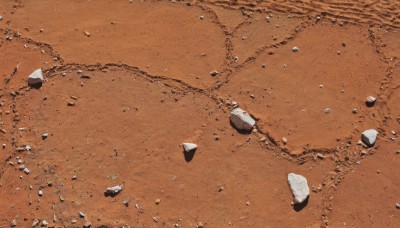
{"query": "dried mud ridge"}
pixel 375 14
pixel 384 12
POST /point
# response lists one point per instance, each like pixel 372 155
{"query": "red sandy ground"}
pixel 150 90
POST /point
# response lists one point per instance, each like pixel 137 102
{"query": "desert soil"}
pixel 150 89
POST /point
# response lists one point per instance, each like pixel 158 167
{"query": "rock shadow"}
pixel 300 206
pixel 189 155
pixel 243 132
pixel 36 85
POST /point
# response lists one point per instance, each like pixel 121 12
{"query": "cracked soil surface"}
pixel 149 90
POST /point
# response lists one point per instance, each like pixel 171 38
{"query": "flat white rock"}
pixel 298 185
pixel 36 77
pixel 369 137
pixel 189 146
pixel 113 190
pixel 242 120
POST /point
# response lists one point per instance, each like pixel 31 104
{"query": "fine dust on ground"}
pixel 148 89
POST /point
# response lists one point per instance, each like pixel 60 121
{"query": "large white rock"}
pixel 298 185
pixel 113 190
pixel 369 137
pixel 189 146
pixel 242 120
pixel 36 77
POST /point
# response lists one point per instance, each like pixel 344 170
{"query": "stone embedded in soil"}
pixel 81 214
pixel 370 101
pixel 26 171
pixel 45 135
pixel 242 120
pixel 40 193
pixel 295 49
pixel 298 185
pixel 36 77
pixel 35 223
pixel 214 73
pixel 87 225
pixel 369 137
pixel 189 146
pixel 113 190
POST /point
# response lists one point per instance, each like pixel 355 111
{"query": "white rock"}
pixel 36 77
pixel 40 193
pixel 35 223
pixel 242 120
pixel 26 171
pixel 370 101
pixel 81 214
pixel 189 146
pixel 369 137
pixel 295 49
pixel 298 185
pixel 1 17
pixel 113 190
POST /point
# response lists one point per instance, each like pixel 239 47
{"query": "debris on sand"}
pixel 370 101
pixel 298 185
pixel 112 191
pixel 295 49
pixel 87 225
pixel 242 120
pixel 398 205
pixel 26 171
pixel 214 73
pixel 45 135
pixel 87 33
pixel 126 201
pixel 13 223
pixel 189 146
pixel 369 136
pixel 139 208
pixel 35 223
pixel 35 78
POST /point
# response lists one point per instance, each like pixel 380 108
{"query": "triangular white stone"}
pixel 189 146
pixel 36 77
pixel 369 137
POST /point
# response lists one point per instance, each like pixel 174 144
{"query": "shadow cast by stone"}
pixel 37 85
pixel 243 132
pixel 111 194
pixel 300 206
pixel 189 155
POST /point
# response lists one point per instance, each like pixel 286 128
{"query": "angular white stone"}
pixel 36 77
pixel 369 137
pixel 370 101
pixel 242 120
pixel 113 190
pixel 298 185
pixel 189 146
